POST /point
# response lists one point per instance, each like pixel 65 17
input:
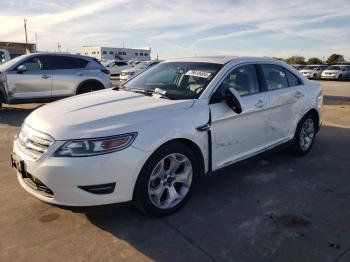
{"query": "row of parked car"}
pixel 333 72
pixel 124 70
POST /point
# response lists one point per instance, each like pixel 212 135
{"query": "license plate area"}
pixel 18 164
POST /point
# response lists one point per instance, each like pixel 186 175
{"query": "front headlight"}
pixel 95 146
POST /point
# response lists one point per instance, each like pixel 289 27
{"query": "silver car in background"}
pixel 313 71
pixel 44 77
pixel 137 69
pixel 337 72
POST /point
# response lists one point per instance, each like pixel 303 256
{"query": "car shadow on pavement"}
pixel 14 116
pixel 263 209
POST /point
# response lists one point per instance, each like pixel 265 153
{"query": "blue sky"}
pixel 185 28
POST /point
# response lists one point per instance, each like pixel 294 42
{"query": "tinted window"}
pixel 104 52
pixel 2 57
pixel 275 77
pixel 37 63
pixel 243 79
pixel 292 79
pixel 65 62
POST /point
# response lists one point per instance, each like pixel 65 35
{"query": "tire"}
pixel 340 78
pixel 304 136
pixel 314 77
pixel 154 190
pixel 86 89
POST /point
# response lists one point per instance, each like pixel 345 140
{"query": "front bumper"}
pixel 329 77
pixel 64 176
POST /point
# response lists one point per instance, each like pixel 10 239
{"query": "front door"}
pixel 237 136
pixel 35 81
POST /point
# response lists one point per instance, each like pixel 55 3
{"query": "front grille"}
pixel 37 185
pixel 32 143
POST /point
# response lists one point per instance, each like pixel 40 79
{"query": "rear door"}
pixel 68 73
pixel 286 96
pixel 236 136
pixel 34 82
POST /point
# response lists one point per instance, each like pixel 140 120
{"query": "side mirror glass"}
pixel 21 69
pixel 231 97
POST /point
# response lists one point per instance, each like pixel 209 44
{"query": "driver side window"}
pixel 243 79
pixel 36 64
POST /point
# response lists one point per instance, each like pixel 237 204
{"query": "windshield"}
pixel 180 80
pixel 11 62
pixel 142 65
pixel 335 68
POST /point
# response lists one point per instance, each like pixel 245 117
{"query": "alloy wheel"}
pixel 307 134
pixel 170 181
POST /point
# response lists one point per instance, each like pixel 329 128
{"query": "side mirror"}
pixel 21 69
pixel 231 97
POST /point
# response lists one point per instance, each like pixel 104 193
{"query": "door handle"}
pixel 45 76
pixel 260 104
pixel 298 94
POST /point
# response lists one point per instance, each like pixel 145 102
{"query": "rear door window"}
pixel 292 79
pixel 65 62
pixel 275 77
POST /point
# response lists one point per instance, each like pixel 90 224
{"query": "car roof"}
pixel 63 54
pixel 222 59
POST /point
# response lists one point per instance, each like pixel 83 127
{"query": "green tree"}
pixel 314 61
pixel 335 59
pixel 295 59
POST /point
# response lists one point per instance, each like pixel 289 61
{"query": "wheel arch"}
pixel 86 82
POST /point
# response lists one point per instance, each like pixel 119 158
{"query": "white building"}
pixel 109 53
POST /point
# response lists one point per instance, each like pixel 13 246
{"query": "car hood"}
pixel 307 71
pixel 102 113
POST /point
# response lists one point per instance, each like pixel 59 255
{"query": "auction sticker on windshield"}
pixel 198 73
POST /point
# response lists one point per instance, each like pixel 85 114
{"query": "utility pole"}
pixel 25 29
pixel 36 41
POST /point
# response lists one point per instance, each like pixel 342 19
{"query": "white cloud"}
pixel 180 27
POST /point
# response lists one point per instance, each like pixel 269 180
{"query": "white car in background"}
pixel 115 67
pixel 313 71
pixel 137 69
pixel 150 140
pixel 336 72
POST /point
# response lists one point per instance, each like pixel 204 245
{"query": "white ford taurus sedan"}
pixel 151 139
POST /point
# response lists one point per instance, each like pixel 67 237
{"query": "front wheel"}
pixel 167 180
pixel 304 135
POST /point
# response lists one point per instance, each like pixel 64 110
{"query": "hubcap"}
pixel 170 181
pixel 307 134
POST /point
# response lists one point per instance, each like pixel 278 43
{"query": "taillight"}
pixel 105 71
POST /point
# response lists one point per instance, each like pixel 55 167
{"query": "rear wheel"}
pixel 304 135
pixel 89 87
pixel 167 180
pixel 340 78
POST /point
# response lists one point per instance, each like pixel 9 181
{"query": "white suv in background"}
pixel 337 72
pixel 44 77
pixel 150 140
pixel 313 71
pixel 115 67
